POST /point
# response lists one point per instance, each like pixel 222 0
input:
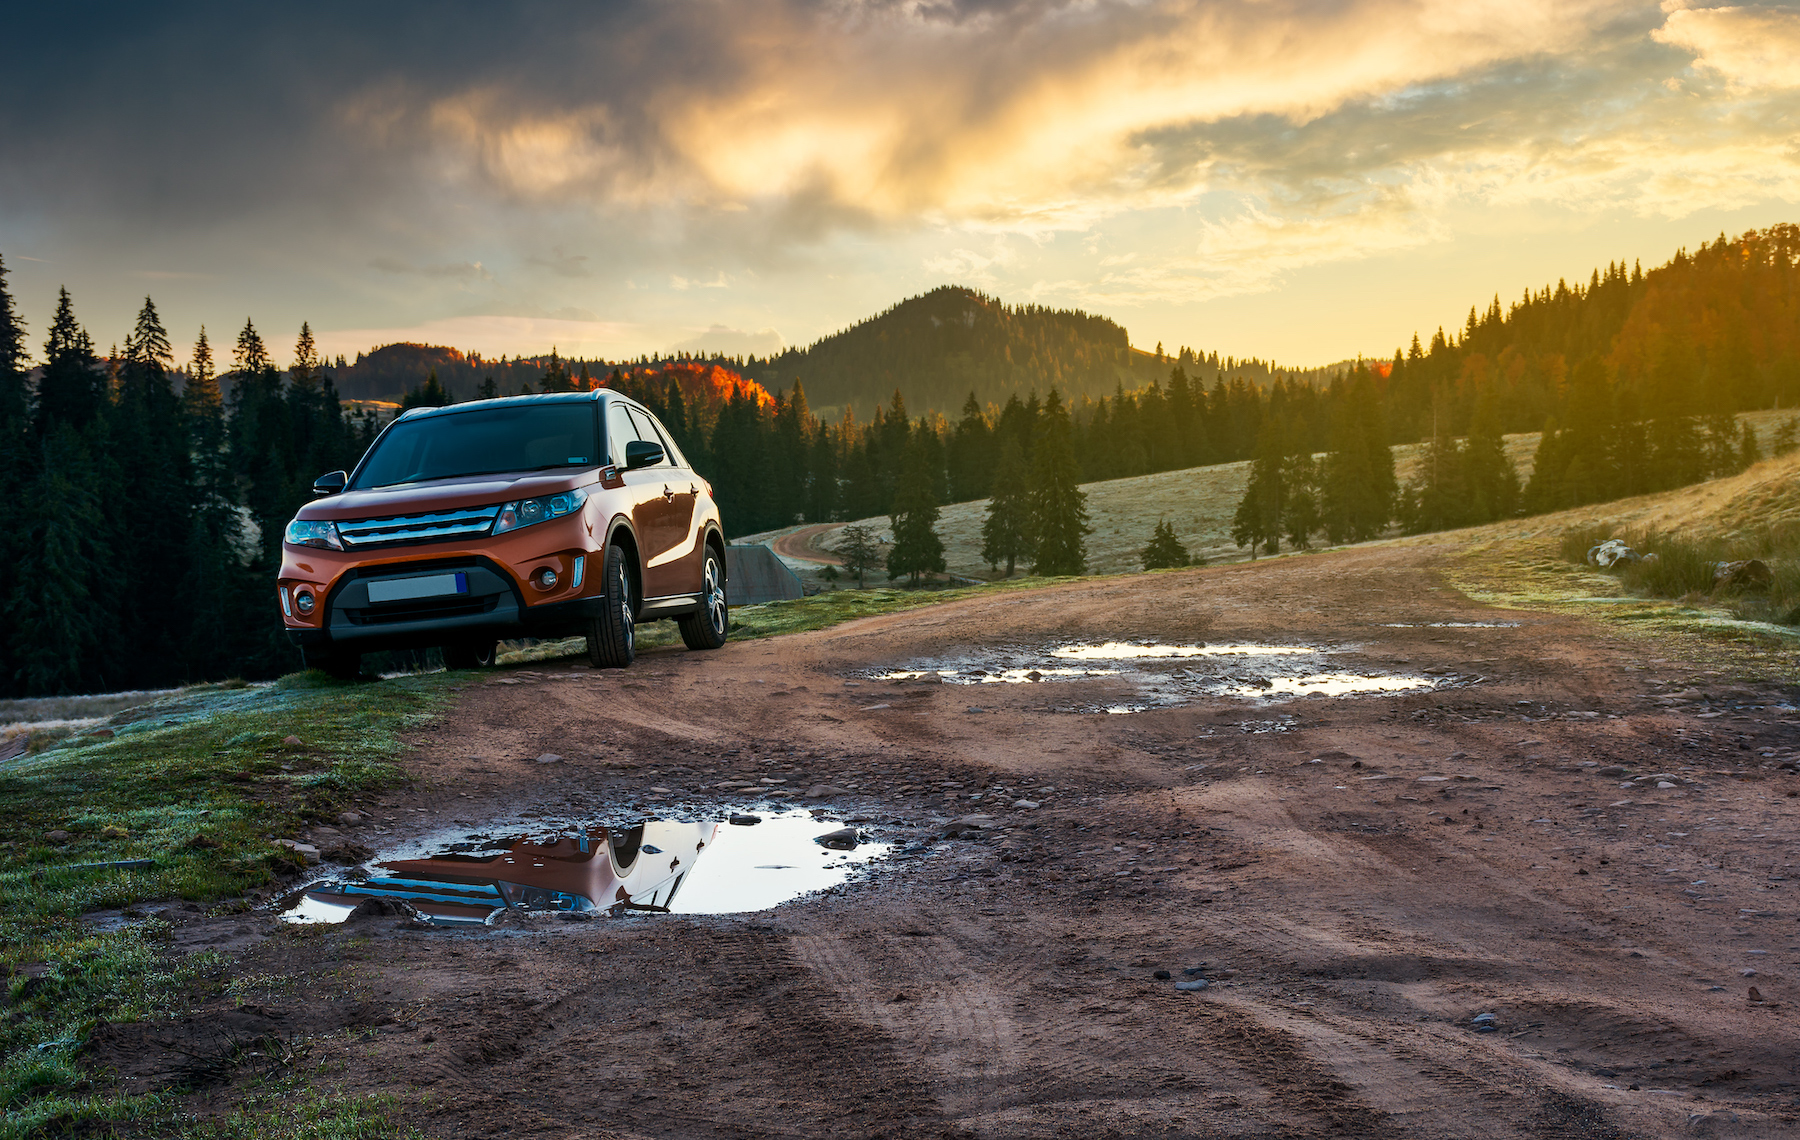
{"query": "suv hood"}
pixel 446 494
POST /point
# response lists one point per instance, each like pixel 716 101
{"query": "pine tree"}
pixel 1358 479
pixel 1257 522
pixel 917 549
pixel 1006 529
pixel 1437 499
pixel 430 394
pixel 58 620
pixel 1749 453
pixel 17 457
pixel 1787 436
pixel 489 390
pixel 860 550
pixel 1302 517
pixel 1490 481
pixel 1059 516
pixel 556 377
pixel 73 386
pixel 250 355
pixel 203 409
pixel 15 359
pixel 148 444
pixel 971 455
pixel 1165 550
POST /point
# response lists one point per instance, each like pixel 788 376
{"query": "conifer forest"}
pixel 144 503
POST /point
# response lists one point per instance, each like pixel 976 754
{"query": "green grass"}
pixel 1684 564
pixel 284 1115
pixel 197 784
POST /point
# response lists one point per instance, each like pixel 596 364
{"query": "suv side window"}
pixel 646 430
pixel 619 432
pixel 668 442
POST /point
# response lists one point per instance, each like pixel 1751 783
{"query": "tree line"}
pixel 144 504
pixel 141 528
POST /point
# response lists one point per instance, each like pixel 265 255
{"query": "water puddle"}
pixel 1169 675
pixel 711 866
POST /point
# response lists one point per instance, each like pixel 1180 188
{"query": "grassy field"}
pixel 1532 564
pixel 1197 502
pixel 177 798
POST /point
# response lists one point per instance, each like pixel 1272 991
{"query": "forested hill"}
pixel 934 349
pixel 937 348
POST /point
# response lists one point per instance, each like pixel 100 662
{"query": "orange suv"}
pixel 530 516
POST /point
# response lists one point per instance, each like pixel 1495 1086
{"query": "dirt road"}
pixel 799 544
pixel 1358 879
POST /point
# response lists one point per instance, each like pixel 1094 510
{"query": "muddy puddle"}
pixel 1170 675
pixel 725 864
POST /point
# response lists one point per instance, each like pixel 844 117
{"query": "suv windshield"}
pixel 483 441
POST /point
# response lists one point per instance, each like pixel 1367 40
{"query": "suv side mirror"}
pixel 330 483
pixel 638 454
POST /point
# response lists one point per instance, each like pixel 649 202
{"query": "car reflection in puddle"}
pixel 1166 676
pixel 655 866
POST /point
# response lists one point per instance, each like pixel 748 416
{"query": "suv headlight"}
pixel 300 532
pixel 524 512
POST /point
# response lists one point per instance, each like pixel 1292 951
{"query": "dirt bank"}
pixel 1357 886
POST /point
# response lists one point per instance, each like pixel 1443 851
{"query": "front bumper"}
pixel 491 606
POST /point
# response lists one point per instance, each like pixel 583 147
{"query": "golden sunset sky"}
pixel 1301 180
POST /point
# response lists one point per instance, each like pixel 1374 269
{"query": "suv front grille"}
pixel 360 533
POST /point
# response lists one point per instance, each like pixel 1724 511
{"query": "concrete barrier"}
pixel 754 575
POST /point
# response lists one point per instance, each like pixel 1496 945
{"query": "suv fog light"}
pixel 303 601
pixel 544 579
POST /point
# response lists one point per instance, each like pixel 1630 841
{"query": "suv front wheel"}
pixel 611 637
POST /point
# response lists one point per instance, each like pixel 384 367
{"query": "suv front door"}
pixel 661 513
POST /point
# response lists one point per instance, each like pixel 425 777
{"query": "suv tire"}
pixel 707 628
pixel 339 663
pixel 470 654
pixel 612 637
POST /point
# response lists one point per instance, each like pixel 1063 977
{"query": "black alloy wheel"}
pixel 612 637
pixel 708 627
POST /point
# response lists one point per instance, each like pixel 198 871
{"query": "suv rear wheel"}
pixel 612 637
pixel 706 628
pixel 470 654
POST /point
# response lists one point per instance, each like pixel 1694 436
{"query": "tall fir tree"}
pixel 58 612
pixel 1258 520
pixel 17 456
pixel 972 454
pixel 1358 479
pixel 1006 527
pixel 149 449
pixel 72 389
pixel 15 359
pixel 1059 514
pixel 917 549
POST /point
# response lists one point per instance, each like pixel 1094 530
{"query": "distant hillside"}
pixel 937 348
pixel 390 371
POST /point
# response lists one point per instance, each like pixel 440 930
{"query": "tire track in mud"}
pixel 842 1067
pixel 1439 1086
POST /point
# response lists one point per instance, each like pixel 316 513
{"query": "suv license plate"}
pixel 410 589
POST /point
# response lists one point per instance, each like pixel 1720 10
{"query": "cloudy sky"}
pixel 1303 180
